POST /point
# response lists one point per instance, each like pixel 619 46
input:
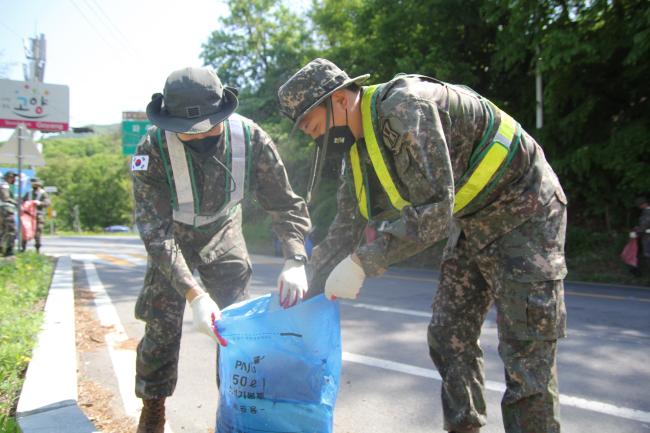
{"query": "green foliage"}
pixel 256 47
pixel 23 285
pixel 591 56
pixel 90 173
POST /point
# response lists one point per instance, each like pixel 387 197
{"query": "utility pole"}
pixel 34 71
pixel 35 52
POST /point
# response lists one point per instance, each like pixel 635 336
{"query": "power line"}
pixel 111 23
pixel 11 30
pixel 95 28
pixel 117 35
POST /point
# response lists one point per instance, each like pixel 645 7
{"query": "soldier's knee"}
pixel 438 338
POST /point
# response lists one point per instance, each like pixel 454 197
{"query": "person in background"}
pixel 7 214
pixel 642 231
pixel 42 201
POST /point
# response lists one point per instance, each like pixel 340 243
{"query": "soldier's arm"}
pixel 414 132
pixel 153 216
pixel 289 214
pixel 343 235
pixel 46 202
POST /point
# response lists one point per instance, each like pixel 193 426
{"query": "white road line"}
pixel 123 360
pixel 567 400
pixel 373 307
pixel 387 309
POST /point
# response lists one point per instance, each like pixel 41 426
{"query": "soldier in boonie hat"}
pixel 190 174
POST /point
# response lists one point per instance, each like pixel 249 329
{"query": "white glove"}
pixel 292 283
pixel 204 312
pixel 345 280
pixel 633 235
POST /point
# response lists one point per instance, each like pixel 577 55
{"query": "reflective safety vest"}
pixel 487 164
pixel 186 202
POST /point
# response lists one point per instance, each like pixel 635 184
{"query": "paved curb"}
pixel 48 400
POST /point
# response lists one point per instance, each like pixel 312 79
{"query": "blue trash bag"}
pixel 280 370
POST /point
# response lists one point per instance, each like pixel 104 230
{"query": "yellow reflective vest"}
pixel 486 166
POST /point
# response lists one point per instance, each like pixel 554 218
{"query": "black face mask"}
pixel 340 140
pixel 203 145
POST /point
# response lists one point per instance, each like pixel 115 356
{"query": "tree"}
pixel 256 47
pixel 597 114
pixel 89 172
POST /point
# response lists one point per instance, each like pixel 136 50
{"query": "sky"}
pixel 113 54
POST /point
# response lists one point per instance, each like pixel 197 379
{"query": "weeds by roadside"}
pixel 24 281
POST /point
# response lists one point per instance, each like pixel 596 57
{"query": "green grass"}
pixel 24 282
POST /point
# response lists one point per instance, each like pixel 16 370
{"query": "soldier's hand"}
pixel 205 312
pixel 345 280
pixel 292 283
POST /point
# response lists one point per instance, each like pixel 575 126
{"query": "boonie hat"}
pixel 310 86
pixel 193 102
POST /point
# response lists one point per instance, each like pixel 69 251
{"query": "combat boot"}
pixel 152 418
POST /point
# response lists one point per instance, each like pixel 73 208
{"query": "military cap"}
pixel 193 102
pixel 310 86
pixel 36 181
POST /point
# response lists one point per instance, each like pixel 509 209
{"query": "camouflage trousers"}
pixel 38 233
pixel 7 228
pixel 162 307
pixel 521 273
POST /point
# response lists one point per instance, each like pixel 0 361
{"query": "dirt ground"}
pixel 96 401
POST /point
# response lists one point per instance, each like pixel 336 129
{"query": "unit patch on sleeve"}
pixel 139 162
pixel 391 137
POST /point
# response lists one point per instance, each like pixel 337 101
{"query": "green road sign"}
pixel 132 133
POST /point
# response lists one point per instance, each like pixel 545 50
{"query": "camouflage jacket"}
pixel 41 196
pixel 6 194
pixel 167 241
pixel 430 130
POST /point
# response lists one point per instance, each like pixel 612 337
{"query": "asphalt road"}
pixel 388 383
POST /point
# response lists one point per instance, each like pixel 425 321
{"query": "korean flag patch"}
pixel 139 162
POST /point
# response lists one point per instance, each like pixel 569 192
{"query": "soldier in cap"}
pixel 7 214
pixel 425 160
pixel 42 199
pixel 190 174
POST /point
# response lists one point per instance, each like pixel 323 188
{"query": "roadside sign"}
pixel 39 106
pixel 134 127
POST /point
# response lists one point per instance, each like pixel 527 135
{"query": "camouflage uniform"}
pixel 217 250
pixel 506 248
pixel 7 219
pixel 42 196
